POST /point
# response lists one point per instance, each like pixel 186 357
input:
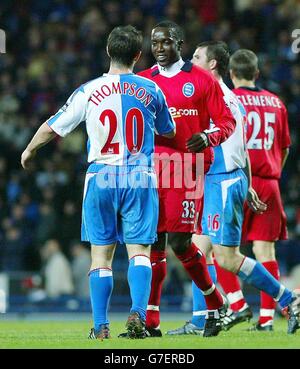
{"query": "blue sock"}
pixel 199 304
pixel 257 275
pixel 139 280
pixel 101 286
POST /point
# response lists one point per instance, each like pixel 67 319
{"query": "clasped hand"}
pixel 198 142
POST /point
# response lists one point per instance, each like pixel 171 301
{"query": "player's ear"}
pixel 256 75
pixel 212 64
pixel 179 44
pixel 107 51
pixel 136 58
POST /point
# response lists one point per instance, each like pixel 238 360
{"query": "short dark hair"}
pixel 123 44
pixel 177 30
pixel 219 51
pixel 244 64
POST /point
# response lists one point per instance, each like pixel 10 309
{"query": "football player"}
pixel 121 111
pixel 194 97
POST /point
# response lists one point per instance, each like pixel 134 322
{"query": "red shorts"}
pixel 176 211
pixel 271 225
pixel 180 201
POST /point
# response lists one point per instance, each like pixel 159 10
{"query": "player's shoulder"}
pixel 145 77
pixel 82 91
pixel 202 74
pixel 243 90
pixel 232 100
pixel 88 85
pixel 266 97
pixel 149 73
pixel 276 101
pixel 274 96
pixel 239 91
pixel 227 91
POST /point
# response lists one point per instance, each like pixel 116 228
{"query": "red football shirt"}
pixel 194 97
pixel 267 130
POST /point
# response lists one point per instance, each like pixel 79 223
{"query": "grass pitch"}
pixel 26 334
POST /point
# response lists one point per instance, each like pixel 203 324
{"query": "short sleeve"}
pixel 164 122
pixel 70 115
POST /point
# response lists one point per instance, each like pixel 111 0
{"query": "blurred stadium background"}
pixel 52 47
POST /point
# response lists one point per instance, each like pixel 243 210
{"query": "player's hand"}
pixel 26 157
pixel 198 142
pixel 254 202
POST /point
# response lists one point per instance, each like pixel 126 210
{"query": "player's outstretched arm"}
pixel 42 136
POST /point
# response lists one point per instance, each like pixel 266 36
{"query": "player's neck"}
pixel 171 69
pixel 119 69
pixel 242 83
pixel 217 76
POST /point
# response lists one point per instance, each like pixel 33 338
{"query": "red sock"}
pixel 231 286
pixel 159 272
pixel 194 263
pixel 267 303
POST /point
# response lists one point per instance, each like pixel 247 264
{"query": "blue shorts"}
pixel 224 197
pixel 119 204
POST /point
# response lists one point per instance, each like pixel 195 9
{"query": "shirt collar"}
pixel 171 70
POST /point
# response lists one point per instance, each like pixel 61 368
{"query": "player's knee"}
pixel 99 263
pixel 226 263
pixel 264 251
pixel 102 256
